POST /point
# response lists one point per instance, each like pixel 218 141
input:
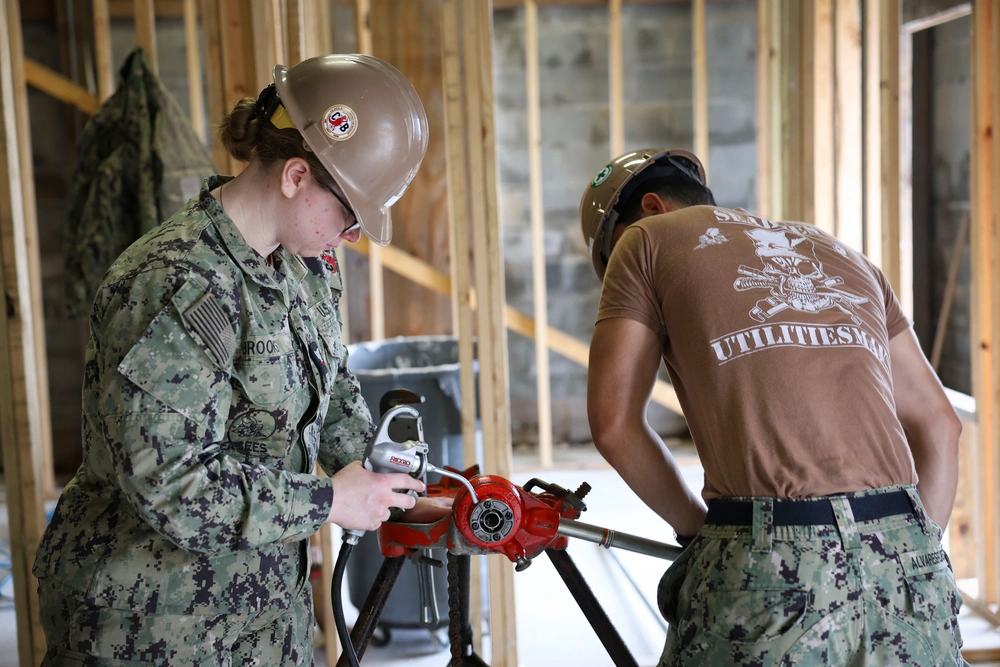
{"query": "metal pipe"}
pixel 607 538
pixel 448 473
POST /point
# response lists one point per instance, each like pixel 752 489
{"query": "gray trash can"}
pixel 427 365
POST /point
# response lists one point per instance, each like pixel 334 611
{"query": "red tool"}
pixel 506 519
pixel 491 514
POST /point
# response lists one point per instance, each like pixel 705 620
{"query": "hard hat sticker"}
pixel 602 176
pixel 340 122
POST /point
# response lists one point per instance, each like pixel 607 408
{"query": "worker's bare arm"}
pixel 624 358
pixel 931 424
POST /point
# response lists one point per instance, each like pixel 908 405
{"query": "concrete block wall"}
pixel 573 56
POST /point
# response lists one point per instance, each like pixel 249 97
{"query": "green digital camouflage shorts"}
pixel 877 592
pixel 81 635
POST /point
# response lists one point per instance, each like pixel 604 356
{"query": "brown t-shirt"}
pixel 776 338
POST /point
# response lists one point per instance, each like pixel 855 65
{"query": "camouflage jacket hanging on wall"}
pixel 138 162
pixel 214 383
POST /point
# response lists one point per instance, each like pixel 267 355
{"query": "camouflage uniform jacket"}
pixel 213 383
pixel 138 162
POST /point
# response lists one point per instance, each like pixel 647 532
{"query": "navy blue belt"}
pixel 811 512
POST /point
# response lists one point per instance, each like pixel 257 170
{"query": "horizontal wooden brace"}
pixel 58 86
pixel 560 342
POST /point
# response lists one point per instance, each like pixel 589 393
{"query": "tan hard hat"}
pixel 597 208
pixel 366 124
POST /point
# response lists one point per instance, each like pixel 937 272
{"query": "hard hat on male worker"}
pixel 614 185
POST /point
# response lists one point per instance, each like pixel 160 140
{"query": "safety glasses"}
pixel 347 207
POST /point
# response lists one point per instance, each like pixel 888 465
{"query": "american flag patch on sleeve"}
pixel 208 320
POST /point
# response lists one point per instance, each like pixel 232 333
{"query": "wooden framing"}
pixel 124 9
pixel 919 15
pixel 509 4
pixel 700 87
pixel 849 123
pixel 145 30
pixel 985 285
pixel 295 19
pixel 102 50
pixel 55 84
pixel 771 110
pixel 821 135
pixel 196 101
pixel 616 77
pixel 269 40
pixel 471 99
pixel 215 77
pixel 544 396
pixel 882 174
pixel 376 274
pixel 40 392
pixel 230 66
pixel 23 414
pixel 460 287
pixel 785 108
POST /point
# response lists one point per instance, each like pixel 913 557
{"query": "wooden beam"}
pixel 460 289
pixel 985 282
pixel 793 179
pixel 477 58
pixel 268 25
pixel 515 4
pixel 823 139
pixel 318 35
pixel 229 49
pixel 616 78
pixel 765 106
pixel 297 30
pixel 881 63
pixel 22 339
pixel 331 639
pixel 49 81
pixel 102 50
pixel 214 78
pixel 889 54
pixel 196 101
pixel 542 384
pixel 944 313
pixel 19 63
pixel 376 276
pixel 700 88
pixel 989 590
pixel 125 9
pixel 145 30
pixel 849 119
pixel 978 655
pixel 925 14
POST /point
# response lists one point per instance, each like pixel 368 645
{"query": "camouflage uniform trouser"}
pixel 81 635
pixel 877 592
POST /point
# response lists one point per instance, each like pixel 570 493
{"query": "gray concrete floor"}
pixel 550 627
